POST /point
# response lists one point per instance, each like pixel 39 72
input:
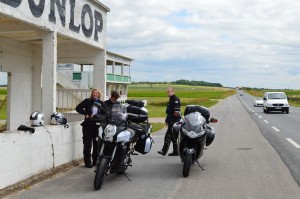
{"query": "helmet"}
pixel 58 118
pixel 37 119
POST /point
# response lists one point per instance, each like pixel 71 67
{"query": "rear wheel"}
pixel 187 165
pixel 100 171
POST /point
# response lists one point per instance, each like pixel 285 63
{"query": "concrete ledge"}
pixel 24 154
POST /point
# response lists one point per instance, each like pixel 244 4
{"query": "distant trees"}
pixel 183 82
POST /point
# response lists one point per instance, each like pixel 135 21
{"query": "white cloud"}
pixel 244 43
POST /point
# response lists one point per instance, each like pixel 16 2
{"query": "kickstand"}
pixel 127 177
pixel 200 166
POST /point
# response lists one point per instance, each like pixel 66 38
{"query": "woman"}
pixel 89 129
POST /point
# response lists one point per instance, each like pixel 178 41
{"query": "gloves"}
pixel 25 128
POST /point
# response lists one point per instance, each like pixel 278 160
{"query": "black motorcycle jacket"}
pixel 85 108
pixel 173 106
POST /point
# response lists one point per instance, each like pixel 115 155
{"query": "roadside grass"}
pixel 293 95
pixel 3 103
pixel 157 126
pixel 157 98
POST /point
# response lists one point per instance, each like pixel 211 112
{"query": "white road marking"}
pixel 276 129
pixel 266 121
pixel 255 113
pixel 295 144
pixel 260 116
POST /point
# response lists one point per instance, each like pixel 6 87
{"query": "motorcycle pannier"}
pixel 194 108
pixel 144 143
pixel 137 103
pixel 210 135
pixel 137 114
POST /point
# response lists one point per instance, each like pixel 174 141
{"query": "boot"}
pixel 175 150
pixel 174 153
pixel 88 164
pixel 164 150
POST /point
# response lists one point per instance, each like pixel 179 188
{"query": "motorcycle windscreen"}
pixel 194 122
pixel 118 114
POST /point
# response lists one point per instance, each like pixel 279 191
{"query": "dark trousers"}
pixel 90 134
pixel 170 137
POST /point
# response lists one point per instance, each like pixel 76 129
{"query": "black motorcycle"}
pixel 118 139
pixel 194 134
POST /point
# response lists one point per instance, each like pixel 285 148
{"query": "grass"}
pixel 157 98
pixel 157 126
pixel 3 104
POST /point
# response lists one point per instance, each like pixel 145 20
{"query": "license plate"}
pixel 277 108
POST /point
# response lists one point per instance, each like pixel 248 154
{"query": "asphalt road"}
pixel 240 163
pixel 281 130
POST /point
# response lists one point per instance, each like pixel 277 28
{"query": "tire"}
pixel 287 111
pixel 264 110
pixel 187 165
pixel 100 171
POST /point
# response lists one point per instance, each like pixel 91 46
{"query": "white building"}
pixel 35 36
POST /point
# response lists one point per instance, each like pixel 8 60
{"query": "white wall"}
pixel 24 154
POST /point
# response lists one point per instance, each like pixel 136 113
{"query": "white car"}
pixel 258 102
pixel 276 101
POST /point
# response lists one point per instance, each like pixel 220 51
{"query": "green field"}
pixel 3 103
pixel 157 98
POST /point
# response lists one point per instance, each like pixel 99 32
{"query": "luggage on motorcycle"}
pixel 144 143
pixel 137 103
pixel 210 135
pixel 137 114
pixel 194 108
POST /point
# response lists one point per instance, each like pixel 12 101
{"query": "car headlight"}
pixel 109 132
pixel 268 104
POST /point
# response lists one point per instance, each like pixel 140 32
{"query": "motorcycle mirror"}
pixel 213 120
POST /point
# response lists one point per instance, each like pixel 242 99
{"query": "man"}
pixel 172 111
pixel 114 96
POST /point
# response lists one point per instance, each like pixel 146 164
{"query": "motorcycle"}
pixel 193 134
pixel 117 141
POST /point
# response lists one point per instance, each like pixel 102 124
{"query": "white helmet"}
pixel 58 118
pixel 37 119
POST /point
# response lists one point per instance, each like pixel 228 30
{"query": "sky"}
pixel 251 43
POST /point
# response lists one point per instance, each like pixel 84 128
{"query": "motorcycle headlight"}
pixel 109 132
pixel 100 131
pixel 192 134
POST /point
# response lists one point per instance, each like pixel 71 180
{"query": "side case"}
pixel 144 143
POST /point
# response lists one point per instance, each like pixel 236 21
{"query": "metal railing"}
pixel 68 99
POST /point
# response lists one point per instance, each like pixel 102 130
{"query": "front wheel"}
pixel 100 171
pixel 187 165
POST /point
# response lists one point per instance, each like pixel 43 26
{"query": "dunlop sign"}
pixel 65 13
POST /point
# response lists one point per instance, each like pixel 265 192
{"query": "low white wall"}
pixel 24 154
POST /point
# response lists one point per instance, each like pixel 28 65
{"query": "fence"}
pixel 68 99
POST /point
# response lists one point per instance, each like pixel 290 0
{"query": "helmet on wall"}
pixel 37 119
pixel 58 118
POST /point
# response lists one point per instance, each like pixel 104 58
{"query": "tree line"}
pixel 183 82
